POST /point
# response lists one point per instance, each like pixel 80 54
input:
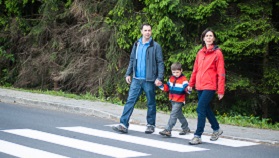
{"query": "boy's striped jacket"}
pixel 176 86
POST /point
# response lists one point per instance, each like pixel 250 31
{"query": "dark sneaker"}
pixel 120 128
pixel 184 131
pixel 215 135
pixel 165 133
pixel 150 129
pixel 195 141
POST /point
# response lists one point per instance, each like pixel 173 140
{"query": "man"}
pixel 147 67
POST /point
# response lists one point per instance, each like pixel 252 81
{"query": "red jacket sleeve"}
pixel 220 65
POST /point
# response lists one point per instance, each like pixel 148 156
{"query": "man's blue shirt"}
pixel 141 59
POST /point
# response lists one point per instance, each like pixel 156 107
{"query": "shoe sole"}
pixel 117 130
pixel 185 133
pixel 217 138
pixel 195 143
pixel 147 132
pixel 164 134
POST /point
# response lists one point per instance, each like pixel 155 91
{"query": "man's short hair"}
pixel 145 24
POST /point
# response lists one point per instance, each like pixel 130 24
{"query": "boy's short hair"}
pixel 176 66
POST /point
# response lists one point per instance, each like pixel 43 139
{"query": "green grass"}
pixel 86 96
pixel 248 121
pixel 237 120
pixel 189 110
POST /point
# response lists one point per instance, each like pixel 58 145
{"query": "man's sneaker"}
pixel 150 129
pixel 184 131
pixel 120 128
pixel 195 141
pixel 165 133
pixel 215 135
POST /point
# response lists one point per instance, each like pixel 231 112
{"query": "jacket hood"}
pixel 211 49
pixel 151 42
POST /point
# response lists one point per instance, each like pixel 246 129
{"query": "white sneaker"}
pixel 215 135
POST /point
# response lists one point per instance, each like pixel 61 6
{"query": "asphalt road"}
pixel 34 132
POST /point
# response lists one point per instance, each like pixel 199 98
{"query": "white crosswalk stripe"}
pixel 25 152
pixel 75 143
pixel 135 140
pixel 220 141
pixel 30 152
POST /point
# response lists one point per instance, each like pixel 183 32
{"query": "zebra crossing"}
pixel 221 141
pixel 25 152
pixel 22 151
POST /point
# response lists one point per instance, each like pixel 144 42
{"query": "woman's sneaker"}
pixel 184 131
pixel 195 141
pixel 165 133
pixel 215 135
pixel 150 129
pixel 120 128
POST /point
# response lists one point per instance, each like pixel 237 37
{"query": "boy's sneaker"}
pixel 184 131
pixel 165 133
pixel 195 141
pixel 215 135
pixel 150 129
pixel 120 128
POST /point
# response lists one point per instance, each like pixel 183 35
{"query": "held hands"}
pixel 158 82
pixel 189 89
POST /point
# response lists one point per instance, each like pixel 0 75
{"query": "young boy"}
pixel 176 86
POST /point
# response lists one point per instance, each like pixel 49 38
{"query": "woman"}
pixel 208 76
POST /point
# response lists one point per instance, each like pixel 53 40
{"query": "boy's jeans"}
pixel 176 113
pixel 204 111
pixel 136 89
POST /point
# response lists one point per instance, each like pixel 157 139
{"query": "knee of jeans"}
pixel 201 112
pixel 173 115
pixel 201 115
pixel 151 101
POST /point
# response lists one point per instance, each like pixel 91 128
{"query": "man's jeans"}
pixel 176 113
pixel 136 89
pixel 204 111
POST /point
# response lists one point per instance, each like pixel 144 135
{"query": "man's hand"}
pixel 189 88
pixel 158 82
pixel 128 79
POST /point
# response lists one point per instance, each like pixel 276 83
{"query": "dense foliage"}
pixel 83 46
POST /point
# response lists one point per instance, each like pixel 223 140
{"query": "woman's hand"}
pixel 220 96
